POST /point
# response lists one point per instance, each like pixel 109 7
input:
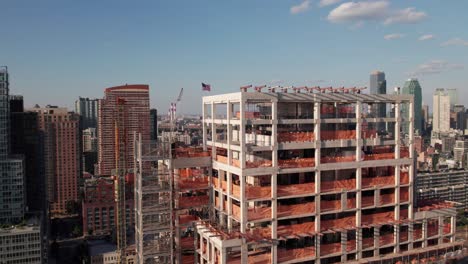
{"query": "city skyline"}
pixel 228 45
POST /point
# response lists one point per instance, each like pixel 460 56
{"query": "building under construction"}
pixel 289 176
pixel 302 176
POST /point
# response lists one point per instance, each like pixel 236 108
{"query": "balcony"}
pixel 295 189
pixel 296 137
pixel 297 163
pixel 295 254
pixel 296 209
pixel 337 185
pixel 378 181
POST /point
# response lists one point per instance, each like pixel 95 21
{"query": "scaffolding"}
pixel 154 223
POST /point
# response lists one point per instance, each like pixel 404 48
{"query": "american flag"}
pixel 206 87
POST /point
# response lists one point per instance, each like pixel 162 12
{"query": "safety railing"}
pixel 350 245
pixel 403 236
pixel 367 201
pixel 432 229
pixel 193 183
pixel 296 189
pixel 404 177
pixel 447 229
pixel 338 185
pixel 296 163
pixel 187 242
pixel 351 203
pixel 282 230
pixel 348 222
pixel 367 242
pixel 379 156
pixel 417 234
pixel 404 195
pixel 190 153
pixel 378 218
pixel 253 214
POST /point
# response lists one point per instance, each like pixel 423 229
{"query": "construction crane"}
pixel 119 178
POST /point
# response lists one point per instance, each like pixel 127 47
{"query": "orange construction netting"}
pixel 295 137
pixel 432 205
pixel 330 205
pixel 296 253
pixel 387 199
pixel 378 181
pixel 282 231
pixel 190 153
pixel 386 239
pixel 367 242
pixel 296 209
pixel 367 201
pixel 337 134
pixel 338 159
pixel 295 189
pixel 187 242
pixel 348 222
pixel 297 163
pixel 188 259
pixel 404 177
pixel 190 201
pixel 337 185
pixel 193 183
pixel 327 249
pixel 378 218
pixel 404 194
pixel 184 219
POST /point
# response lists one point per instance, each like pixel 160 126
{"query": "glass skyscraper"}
pixel 413 87
pixel 378 85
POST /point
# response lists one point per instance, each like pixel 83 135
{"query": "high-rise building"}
pixel 425 116
pixel 12 206
pixel 378 85
pixel 453 95
pixel 413 87
pixel 90 140
pixel 26 141
pixel 460 117
pixel 441 111
pixel 137 119
pixel 62 154
pixel 153 124
pixel 88 110
pixel 21 244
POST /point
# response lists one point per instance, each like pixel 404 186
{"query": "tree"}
pixel 77 231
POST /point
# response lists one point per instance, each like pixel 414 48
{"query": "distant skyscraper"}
pixel 460 116
pixel 12 204
pixel 425 116
pixel 60 130
pixel 453 95
pixel 137 119
pixel 88 110
pixel 26 141
pixel 154 124
pixel 378 85
pixel 441 113
pixel 413 87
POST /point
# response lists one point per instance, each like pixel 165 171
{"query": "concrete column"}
pixel 205 136
pixel 397 130
pixel 410 235
pixel 224 255
pixel 229 204
pixel 424 232
pixel 317 248
pixel 242 133
pixel 317 134
pixel 453 224
pixel 359 243
pixel 274 214
pixel 243 205
pixel 359 139
pixel 441 229
pixel 213 130
pixel 411 153
pixel 396 238
pixel 212 253
pixel 376 240
pixel 244 252
pixel 229 132
pixel 344 243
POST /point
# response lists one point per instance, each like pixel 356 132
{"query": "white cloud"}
pixel 455 42
pixel 405 16
pixel 435 67
pixel 359 12
pixel 323 3
pixel 300 8
pixel 426 37
pixel 393 36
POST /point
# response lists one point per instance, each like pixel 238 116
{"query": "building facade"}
pixel 441 111
pixel 294 183
pixel 12 205
pixel 153 124
pixel 99 204
pixel 62 155
pixel 21 245
pixel 88 110
pixel 412 87
pixel 137 119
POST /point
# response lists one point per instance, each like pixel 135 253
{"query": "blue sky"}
pixel 59 50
